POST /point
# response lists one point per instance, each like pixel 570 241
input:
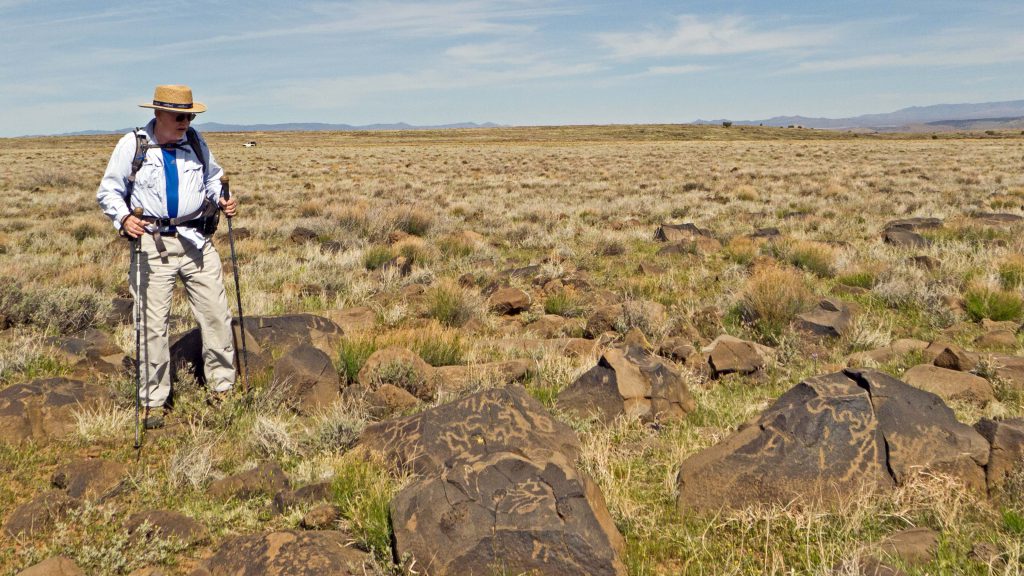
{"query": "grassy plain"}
pixel 572 200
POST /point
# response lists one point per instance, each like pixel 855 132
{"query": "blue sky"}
pixel 75 65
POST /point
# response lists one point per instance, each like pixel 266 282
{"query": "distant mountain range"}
pixel 940 117
pixel 299 127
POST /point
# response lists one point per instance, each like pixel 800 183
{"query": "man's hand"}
pixel 229 206
pixel 132 226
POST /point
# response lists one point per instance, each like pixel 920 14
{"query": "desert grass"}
pixel 582 204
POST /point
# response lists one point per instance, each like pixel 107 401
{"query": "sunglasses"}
pixel 183 117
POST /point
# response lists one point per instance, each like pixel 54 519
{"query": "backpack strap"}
pixel 142 146
pixel 197 147
pixel 206 210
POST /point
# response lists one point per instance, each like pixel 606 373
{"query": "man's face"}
pixel 171 126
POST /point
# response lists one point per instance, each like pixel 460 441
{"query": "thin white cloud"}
pixel 431 20
pixel 948 48
pixel 675 70
pixel 329 94
pixel 492 53
pixel 695 36
pixel 439 19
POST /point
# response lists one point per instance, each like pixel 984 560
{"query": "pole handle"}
pixel 225 187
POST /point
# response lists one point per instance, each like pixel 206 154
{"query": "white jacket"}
pixel 150 191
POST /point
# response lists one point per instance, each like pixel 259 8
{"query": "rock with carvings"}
pixel 498 419
pixel 287 553
pixel 830 437
pixel 507 513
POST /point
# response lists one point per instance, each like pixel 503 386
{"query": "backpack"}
pixel 205 219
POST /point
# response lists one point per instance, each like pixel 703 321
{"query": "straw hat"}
pixel 174 98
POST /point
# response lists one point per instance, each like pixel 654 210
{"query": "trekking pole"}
pixel 244 356
pixel 137 254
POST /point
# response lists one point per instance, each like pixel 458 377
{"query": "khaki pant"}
pixel 200 272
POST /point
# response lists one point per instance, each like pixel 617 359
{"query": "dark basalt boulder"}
pixel 266 479
pixel 679 232
pixel 286 553
pixel 729 355
pixel 831 318
pixel 92 479
pixel 90 352
pixel 166 525
pixel 263 336
pixel 40 514
pixel 309 494
pixel 309 378
pixel 43 410
pixel 629 380
pixel 495 420
pixel 997 218
pixel 302 235
pixel 1007 456
pixel 905 238
pixel 916 223
pixel 950 384
pixel 507 514
pixel 282 332
pixel 827 438
pixel 509 301
pixel 53 566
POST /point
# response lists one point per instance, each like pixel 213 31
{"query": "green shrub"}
pixel 982 302
pixel 414 249
pixel 363 490
pixel 353 354
pixel 455 247
pixel 813 257
pixel 1011 272
pixel 1013 521
pixel 449 304
pixel 376 256
pixel 399 374
pixel 66 310
pixel 440 348
pixel 563 303
pixel 861 279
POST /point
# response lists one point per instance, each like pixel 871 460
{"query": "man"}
pixel 167 170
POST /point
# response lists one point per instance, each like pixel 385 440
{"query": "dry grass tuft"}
pixel 814 257
pixel 103 423
pixel 772 297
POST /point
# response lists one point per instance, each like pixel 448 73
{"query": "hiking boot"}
pixel 154 418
